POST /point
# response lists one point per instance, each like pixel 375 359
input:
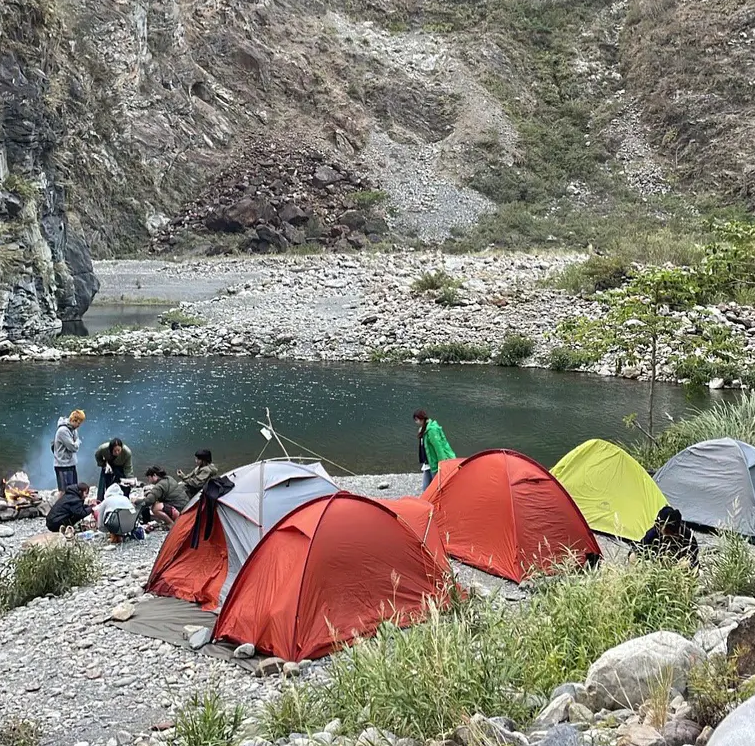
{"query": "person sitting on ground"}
pixel 167 497
pixel 204 470
pixel 69 509
pixel 114 461
pixel 670 538
pixel 65 449
pixel 116 514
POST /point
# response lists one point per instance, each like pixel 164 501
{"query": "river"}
pixel 356 415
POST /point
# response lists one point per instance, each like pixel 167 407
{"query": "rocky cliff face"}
pixel 46 273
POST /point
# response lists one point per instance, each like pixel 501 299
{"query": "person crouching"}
pixel 69 509
pixel 167 498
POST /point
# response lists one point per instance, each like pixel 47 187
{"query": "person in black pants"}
pixel 69 509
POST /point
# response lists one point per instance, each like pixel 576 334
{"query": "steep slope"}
pixel 512 123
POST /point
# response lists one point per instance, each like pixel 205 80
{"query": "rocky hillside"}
pixel 131 125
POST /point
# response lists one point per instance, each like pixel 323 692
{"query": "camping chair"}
pixel 122 521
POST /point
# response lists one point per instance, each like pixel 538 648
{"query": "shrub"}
pixel 716 688
pixel 595 274
pixel 481 657
pixel 19 733
pixel 177 316
pixel 434 281
pixel 396 355
pixel 564 358
pixel 454 352
pixel 731 565
pixel 515 348
pixel 39 571
pixel 205 721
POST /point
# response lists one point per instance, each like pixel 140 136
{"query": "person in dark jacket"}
pixel 167 498
pixel 670 538
pixel 69 509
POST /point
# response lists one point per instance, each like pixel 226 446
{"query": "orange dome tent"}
pixel 332 570
pixel 503 513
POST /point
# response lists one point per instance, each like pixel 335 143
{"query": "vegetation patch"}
pixel 429 281
pixel 16 732
pixel 42 571
pixel 515 349
pixel 723 420
pixel 595 274
pixel 484 656
pixel 730 566
pixel 206 721
pixel 566 358
pixel 454 352
pixel 716 688
pixel 394 356
pixel 180 318
pixel 369 198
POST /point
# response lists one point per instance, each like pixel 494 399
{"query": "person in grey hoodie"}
pixel 65 449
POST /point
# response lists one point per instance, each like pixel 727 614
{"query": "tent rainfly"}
pixel 504 513
pixel 331 571
pixel 712 484
pixel 263 493
pixel 615 494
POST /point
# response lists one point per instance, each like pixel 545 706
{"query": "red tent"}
pixel 502 512
pixel 332 570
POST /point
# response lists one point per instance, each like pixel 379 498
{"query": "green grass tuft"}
pixel 730 568
pixel 177 316
pixel 206 721
pixel 454 352
pixel 42 571
pixel 434 281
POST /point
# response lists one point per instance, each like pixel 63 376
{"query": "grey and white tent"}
pixel 713 484
pixel 263 493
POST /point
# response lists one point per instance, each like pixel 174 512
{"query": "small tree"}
pixel 645 314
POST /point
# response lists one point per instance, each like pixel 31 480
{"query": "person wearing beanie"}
pixel 670 538
pixel 65 449
pixel 203 471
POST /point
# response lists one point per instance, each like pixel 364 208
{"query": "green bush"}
pixel 177 316
pixel 564 358
pixel 484 655
pixel 434 281
pixel 698 371
pixel 39 571
pixel 206 721
pixel 595 274
pixel 19 733
pixel 515 349
pixel 730 568
pixel 394 356
pixel 454 352
pixel 723 420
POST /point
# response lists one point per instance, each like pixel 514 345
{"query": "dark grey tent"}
pixel 713 484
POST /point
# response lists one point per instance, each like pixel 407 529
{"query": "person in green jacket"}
pixel 167 497
pixel 203 471
pixel 433 446
pixel 114 460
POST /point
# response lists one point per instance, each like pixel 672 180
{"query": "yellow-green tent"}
pixel 615 494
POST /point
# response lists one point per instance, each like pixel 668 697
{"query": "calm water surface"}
pixel 357 415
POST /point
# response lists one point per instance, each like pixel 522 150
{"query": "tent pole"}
pixel 272 430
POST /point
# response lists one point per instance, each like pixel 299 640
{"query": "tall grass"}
pixel 730 568
pixel 206 721
pixel 487 657
pixel 716 688
pixel 724 420
pixel 39 571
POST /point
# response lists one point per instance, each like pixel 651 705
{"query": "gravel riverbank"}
pixel 85 681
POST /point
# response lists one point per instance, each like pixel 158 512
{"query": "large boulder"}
pixel 737 728
pixel 741 640
pixel 624 676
